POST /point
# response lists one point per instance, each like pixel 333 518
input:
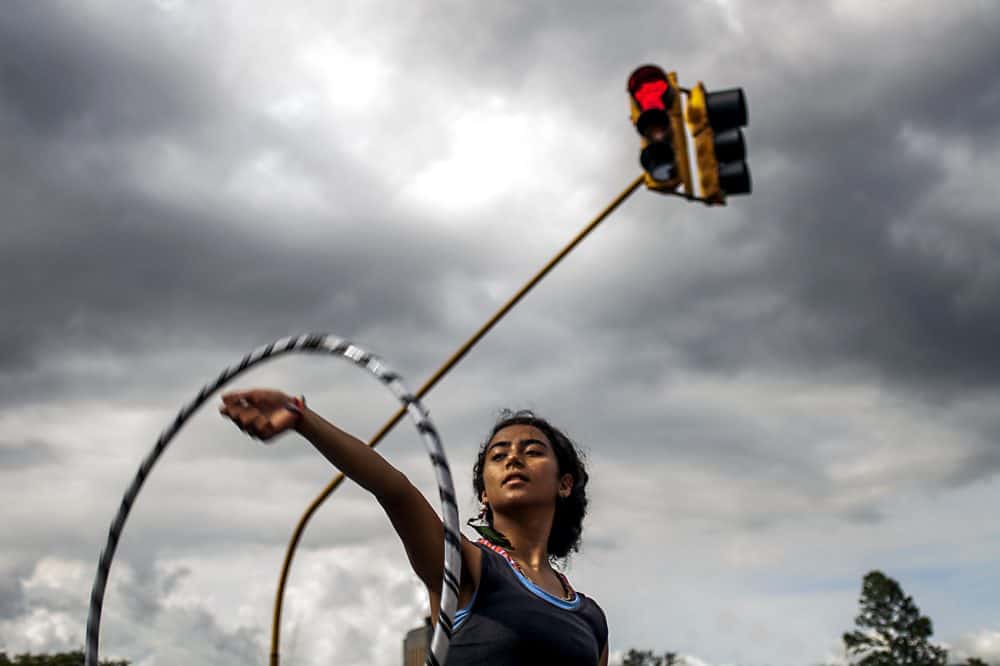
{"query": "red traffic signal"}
pixel 653 96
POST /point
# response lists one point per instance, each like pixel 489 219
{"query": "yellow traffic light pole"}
pixel 428 385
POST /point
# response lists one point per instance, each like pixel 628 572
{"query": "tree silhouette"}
pixel 891 631
pixel 61 659
pixel 647 658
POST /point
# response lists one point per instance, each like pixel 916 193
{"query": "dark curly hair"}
pixel 567 525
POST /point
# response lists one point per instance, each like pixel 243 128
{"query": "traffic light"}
pixel 655 100
pixel 714 119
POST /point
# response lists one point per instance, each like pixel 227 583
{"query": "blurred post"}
pixel 416 644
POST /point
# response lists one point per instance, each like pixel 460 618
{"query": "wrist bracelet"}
pixel 296 404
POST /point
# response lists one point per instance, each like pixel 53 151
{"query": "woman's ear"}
pixel 566 485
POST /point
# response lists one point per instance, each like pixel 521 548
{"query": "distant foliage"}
pixel 61 659
pixel 891 631
pixel 647 658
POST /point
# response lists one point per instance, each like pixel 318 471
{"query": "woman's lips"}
pixel 514 478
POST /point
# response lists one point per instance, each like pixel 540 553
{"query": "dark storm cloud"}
pixel 94 265
pixel 136 279
pixel 829 291
pixel 851 295
pixel 897 305
pixel 61 74
pixel 851 184
pixel 140 277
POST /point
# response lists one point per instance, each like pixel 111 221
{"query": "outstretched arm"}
pixel 265 414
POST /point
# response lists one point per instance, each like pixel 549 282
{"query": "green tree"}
pixel 646 658
pixel 641 658
pixel 60 659
pixel 891 631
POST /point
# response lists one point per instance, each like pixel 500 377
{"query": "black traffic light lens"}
pixel 734 178
pixel 658 160
pixel 651 119
pixel 726 109
pixel 729 146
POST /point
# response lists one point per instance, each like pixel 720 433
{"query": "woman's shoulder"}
pixel 595 616
pixel 592 602
pixel 481 561
pixel 473 552
pixel 490 554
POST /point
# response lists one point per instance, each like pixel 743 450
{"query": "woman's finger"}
pixel 247 418
pixel 266 432
pixel 258 423
pixel 260 398
pixel 235 397
pixel 240 409
pixel 253 413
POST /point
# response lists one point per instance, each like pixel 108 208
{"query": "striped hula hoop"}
pixel 323 344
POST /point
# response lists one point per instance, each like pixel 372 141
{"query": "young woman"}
pixel 514 607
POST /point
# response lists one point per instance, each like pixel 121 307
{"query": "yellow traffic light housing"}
pixel 704 146
pixel 714 120
pixel 720 153
pixel 652 99
pixel 657 113
pixel 679 141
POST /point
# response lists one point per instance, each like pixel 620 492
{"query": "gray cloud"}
pixel 64 76
pixel 130 626
pixel 28 454
pixel 12 598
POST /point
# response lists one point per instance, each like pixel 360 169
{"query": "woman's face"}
pixel 521 469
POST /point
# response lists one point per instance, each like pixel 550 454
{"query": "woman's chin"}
pixel 514 499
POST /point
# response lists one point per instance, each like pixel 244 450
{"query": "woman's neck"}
pixel 528 536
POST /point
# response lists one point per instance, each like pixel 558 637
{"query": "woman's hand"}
pixel 261 413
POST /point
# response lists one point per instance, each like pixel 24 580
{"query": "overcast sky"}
pixel 776 397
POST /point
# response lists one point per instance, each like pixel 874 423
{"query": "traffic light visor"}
pixel 729 146
pixel 726 109
pixel 734 178
pixel 658 160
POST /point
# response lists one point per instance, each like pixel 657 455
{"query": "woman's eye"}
pixel 496 456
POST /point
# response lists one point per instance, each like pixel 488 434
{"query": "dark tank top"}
pixel 511 621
